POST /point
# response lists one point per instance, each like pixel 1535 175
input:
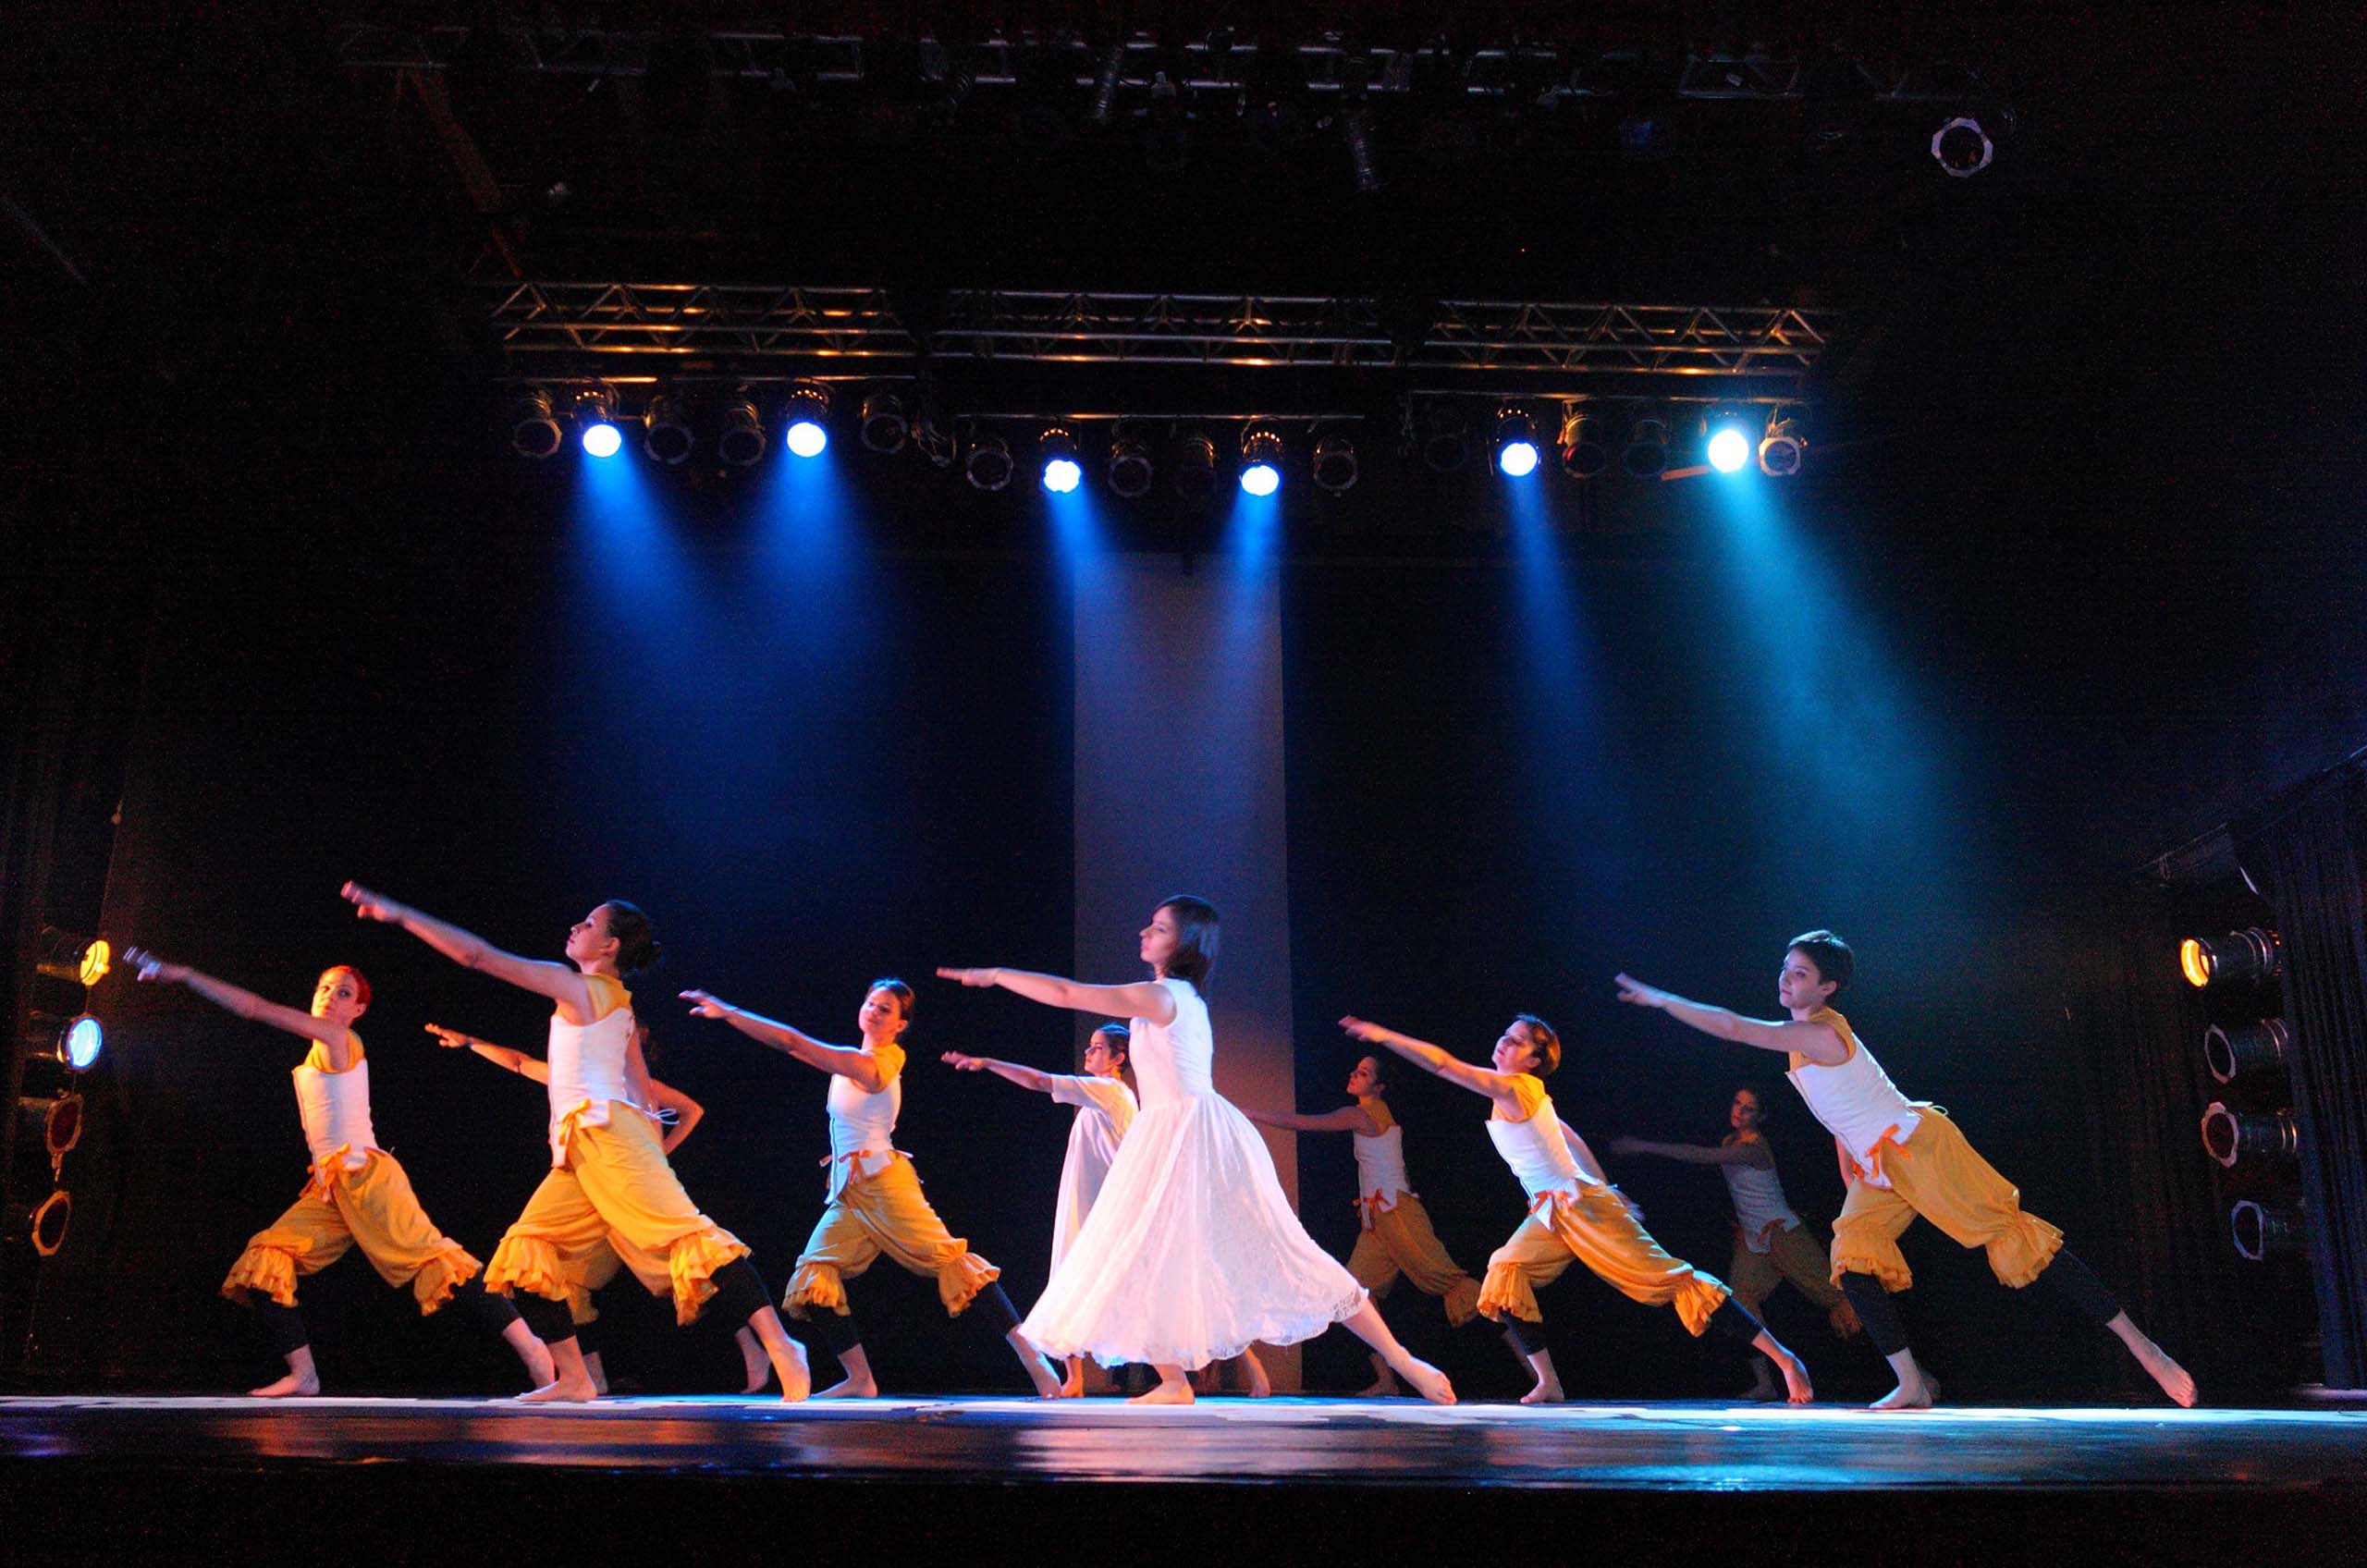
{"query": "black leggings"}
pixel 838 1334
pixel 2067 1278
pixel 738 1295
pixel 284 1326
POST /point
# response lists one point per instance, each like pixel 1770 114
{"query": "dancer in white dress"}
pixel 1105 1108
pixel 1192 1253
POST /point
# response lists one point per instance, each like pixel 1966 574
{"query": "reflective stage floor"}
pixel 1281 1479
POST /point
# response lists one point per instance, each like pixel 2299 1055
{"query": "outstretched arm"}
pixel 860 1066
pixel 1814 1042
pixel 1347 1118
pixel 247 1005
pixel 560 982
pixel 1497 1087
pixel 1026 1077
pixel 1754 1154
pixel 687 1113
pixel 500 1056
pixel 1144 999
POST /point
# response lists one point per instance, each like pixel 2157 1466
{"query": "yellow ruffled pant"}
pixel 1937 1175
pixel 373 1209
pixel 1794 1254
pixel 884 1213
pixel 1399 1241
pixel 1598 1230
pixel 616 1200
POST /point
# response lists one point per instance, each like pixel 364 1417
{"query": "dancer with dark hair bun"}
pixel 359 1194
pixel 1902 1158
pixel 1191 1253
pixel 609 1185
pixel 875 1201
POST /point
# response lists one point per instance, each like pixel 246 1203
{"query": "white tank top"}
pixel 1759 1203
pixel 336 1108
pixel 862 1125
pixel 1536 1151
pixel 1381 1163
pixel 1856 1099
pixel 587 1071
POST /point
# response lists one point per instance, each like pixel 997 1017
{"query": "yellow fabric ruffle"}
pixel 693 1261
pixel 958 1283
pixel 1596 1229
pixel 440 1276
pixel 270 1270
pixel 1938 1176
pixel 532 1265
pixel 883 1212
pixel 815 1285
pixel 1507 1289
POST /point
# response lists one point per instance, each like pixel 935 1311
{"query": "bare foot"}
pixel 2175 1380
pixel 1912 1393
pixel 1548 1392
pixel 538 1357
pixel 1047 1380
pixel 755 1367
pixel 1797 1388
pixel 1073 1386
pixel 1431 1384
pixel 1165 1393
pixel 562 1390
pixel 296 1385
pixel 1260 1386
pixel 851 1387
pixel 797 1380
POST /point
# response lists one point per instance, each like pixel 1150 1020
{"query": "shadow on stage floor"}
pixel 1287 1479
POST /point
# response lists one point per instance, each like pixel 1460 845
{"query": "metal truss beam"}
pixel 1539 73
pixel 657 330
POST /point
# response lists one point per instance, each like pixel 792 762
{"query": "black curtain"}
pixel 2134 1033
pixel 2312 850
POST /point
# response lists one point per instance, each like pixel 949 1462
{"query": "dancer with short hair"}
pixel 1394 1236
pixel 359 1194
pixel 1575 1215
pixel 874 1202
pixel 1191 1254
pixel 1901 1159
pixel 608 1187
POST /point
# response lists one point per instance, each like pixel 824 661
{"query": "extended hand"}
pixel 148 966
pixel 966 1063
pixel 370 905
pixel 971 976
pixel 1634 990
pixel 705 1004
pixel 447 1036
pixel 1369 1032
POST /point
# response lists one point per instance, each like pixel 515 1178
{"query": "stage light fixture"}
pixel 2250 957
pixel 1129 470
pixel 1962 148
pixel 52 1121
pixel 1646 453
pixel 1726 443
pixel 1783 449
pixel 1585 445
pixel 596 418
pixel 2254 1052
pixel 884 426
pixel 533 428
pixel 2260 1233
pixel 1195 466
pixel 1334 466
pixel 665 433
pixel 85 961
pixel 739 433
pixel 1446 440
pixel 1056 449
pixel 1261 460
pixel 803 414
pixel 1516 444
pixel 2258 1138
pixel 42 1224
pixel 987 464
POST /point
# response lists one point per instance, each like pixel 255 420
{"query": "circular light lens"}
pixel 2194 962
pixel 1063 475
pixel 84 1040
pixel 1262 479
pixel 1729 450
pixel 1518 460
pixel 97 959
pixel 807 439
pixel 602 440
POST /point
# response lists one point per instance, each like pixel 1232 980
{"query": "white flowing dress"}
pixel 1105 1108
pixel 1191 1254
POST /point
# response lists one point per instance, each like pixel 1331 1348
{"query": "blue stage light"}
pixel 1063 475
pixel 1515 443
pixel 1261 460
pixel 84 1040
pixel 1518 460
pixel 803 410
pixel 1729 450
pixel 1055 449
pixel 1262 479
pixel 601 439
pixel 807 439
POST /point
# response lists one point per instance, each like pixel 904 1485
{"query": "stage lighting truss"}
pixel 2252 1138
pixel 885 429
pixel 804 417
pixel 1195 465
pixel 1129 470
pixel 987 464
pixel 1333 464
pixel 533 428
pixel 1783 449
pixel 665 431
pixel 1961 148
pixel 739 433
pixel 2250 957
pixel 595 422
pixel 2253 1053
pixel 1585 443
pixel 1515 443
pixel 2260 1231
pixel 43 1224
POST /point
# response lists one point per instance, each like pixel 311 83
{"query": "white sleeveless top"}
pixel 1381 1163
pixel 1536 1151
pixel 1758 1204
pixel 1856 1099
pixel 1105 1108
pixel 336 1108
pixel 587 1072
pixel 862 1125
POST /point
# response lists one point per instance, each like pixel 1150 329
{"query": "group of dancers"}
pixel 1174 1244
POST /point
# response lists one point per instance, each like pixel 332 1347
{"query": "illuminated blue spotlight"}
pixel 1261 460
pixel 803 410
pixel 1515 443
pixel 1518 460
pixel 1063 475
pixel 601 439
pixel 84 1040
pixel 807 439
pixel 1729 450
pixel 1262 479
